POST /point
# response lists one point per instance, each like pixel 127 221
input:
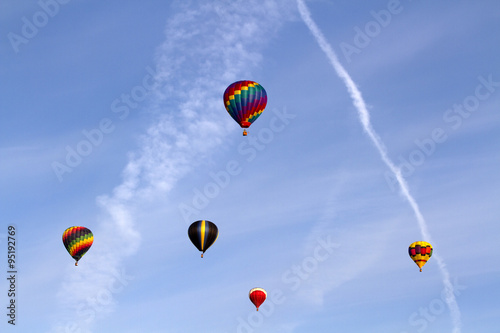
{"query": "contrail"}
pixel 364 117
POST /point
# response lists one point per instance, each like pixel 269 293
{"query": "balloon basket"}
pixel 245 133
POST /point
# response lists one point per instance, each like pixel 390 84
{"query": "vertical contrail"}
pixel 364 117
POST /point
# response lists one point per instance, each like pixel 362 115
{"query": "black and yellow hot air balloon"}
pixel 203 234
pixel 77 241
pixel 420 252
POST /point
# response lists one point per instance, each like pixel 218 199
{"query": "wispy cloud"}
pixel 364 117
pixel 206 48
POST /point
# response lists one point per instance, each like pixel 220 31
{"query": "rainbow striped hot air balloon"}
pixel 420 252
pixel 245 101
pixel 77 241
pixel 203 234
pixel 257 296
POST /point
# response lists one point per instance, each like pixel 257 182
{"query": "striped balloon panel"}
pixel 257 296
pixel 77 241
pixel 420 252
pixel 245 101
pixel 203 234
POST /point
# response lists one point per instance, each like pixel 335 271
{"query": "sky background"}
pixel 112 119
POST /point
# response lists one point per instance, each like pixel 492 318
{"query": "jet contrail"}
pixel 364 117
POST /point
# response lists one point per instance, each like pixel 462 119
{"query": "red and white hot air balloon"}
pixel 257 296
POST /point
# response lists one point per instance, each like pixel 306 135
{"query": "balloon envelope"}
pixel 77 241
pixel 257 296
pixel 245 101
pixel 203 234
pixel 420 252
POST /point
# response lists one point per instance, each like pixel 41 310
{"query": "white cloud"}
pixel 206 48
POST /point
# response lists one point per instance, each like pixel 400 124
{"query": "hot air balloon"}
pixel 203 234
pixel 77 241
pixel 420 252
pixel 257 296
pixel 245 101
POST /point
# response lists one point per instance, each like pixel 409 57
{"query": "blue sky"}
pixel 113 119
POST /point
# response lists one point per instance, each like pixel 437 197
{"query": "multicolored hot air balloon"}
pixel 420 252
pixel 245 101
pixel 77 241
pixel 203 234
pixel 257 296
